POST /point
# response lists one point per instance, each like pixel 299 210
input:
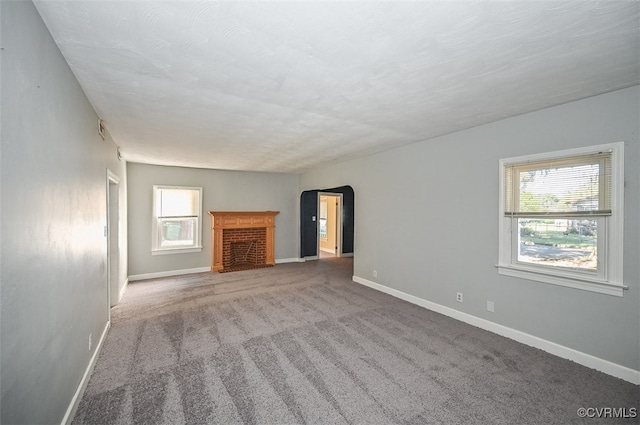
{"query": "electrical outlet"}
pixel 90 335
pixel 375 273
pixel 459 297
pixel 490 306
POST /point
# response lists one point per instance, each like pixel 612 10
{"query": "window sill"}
pixel 584 283
pixel 176 250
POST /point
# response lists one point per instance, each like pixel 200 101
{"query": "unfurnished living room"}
pixel 320 212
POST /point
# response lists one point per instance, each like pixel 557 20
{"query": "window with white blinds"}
pixel 177 219
pixel 561 217
pixel 573 186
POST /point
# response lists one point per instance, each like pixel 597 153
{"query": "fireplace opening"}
pixel 244 254
pixel 244 249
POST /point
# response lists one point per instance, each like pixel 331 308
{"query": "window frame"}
pixel 609 278
pixel 156 249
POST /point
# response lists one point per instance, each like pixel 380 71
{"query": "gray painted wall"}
pixel 426 220
pixel 53 276
pixel 222 191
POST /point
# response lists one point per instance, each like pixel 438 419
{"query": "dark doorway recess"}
pixel 309 220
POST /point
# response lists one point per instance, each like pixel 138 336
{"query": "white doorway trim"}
pixel 338 227
pixel 112 232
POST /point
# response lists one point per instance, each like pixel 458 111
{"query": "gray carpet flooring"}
pixel 301 343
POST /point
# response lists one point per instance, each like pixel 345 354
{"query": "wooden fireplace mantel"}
pixel 221 220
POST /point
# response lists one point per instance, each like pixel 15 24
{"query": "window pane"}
pixel 580 185
pixel 323 228
pixel 178 202
pixel 560 189
pixel 177 232
pixel 563 242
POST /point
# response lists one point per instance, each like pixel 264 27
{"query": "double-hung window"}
pixel 177 219
pixel 561 218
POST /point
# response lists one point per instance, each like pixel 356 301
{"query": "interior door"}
pixel 329 220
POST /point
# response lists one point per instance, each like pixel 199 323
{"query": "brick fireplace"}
pixel 242 240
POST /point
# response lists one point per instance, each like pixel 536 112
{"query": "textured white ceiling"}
pixel 286 86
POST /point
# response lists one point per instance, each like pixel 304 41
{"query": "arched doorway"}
pixel 310 221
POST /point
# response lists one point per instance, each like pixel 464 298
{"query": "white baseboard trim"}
pixel 75 401
pixel 190 271
pixel 168 273
pixel 317 257
pixel 287 260
pixel 605 366
pixel 123 290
